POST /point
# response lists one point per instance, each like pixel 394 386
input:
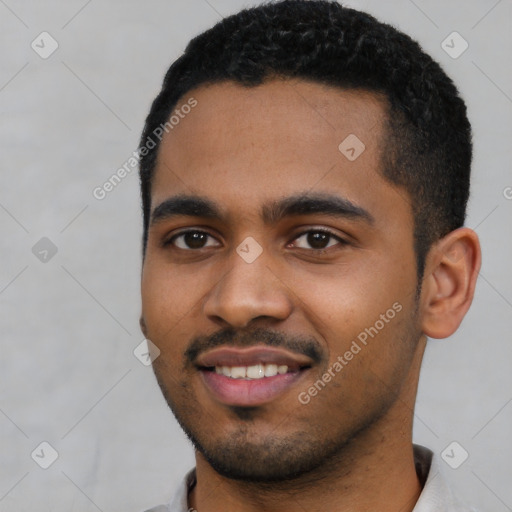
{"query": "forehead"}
pixel 245 144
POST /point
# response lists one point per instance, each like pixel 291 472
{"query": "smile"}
pixel 252 376
pixel 257 371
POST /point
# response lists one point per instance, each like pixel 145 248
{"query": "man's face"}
pixel 305 256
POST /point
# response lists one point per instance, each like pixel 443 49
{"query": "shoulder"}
pixel 436 496
pixel 179 500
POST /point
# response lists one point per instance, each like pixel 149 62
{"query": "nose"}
pixel 247 291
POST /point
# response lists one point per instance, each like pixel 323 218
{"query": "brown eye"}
pixel 192 239
pixel 317 240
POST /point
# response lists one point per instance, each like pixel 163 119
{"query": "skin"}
pixel 350 447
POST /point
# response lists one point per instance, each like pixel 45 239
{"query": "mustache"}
pixel 307 346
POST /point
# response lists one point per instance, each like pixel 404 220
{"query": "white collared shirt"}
pixel 436 496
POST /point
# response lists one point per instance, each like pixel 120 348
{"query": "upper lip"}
pixel 232 356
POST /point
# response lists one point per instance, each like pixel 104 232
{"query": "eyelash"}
pixel 331 235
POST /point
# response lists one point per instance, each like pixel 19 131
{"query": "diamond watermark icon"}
pixel 249 249
pixel 454 45
pixel 146 352
pixel 454 455
pixel 44 250
pixel 352 147
pixel 44 455
pixel 44 45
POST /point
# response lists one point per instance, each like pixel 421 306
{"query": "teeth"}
pixel 270 370
pixel 238 372
pixel 257 371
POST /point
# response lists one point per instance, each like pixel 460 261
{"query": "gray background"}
pixel 70 324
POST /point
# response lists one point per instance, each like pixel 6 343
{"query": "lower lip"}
pixel 249 393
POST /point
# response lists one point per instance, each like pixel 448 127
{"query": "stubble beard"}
pixel 278 458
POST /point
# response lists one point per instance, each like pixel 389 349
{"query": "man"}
pixel 305 173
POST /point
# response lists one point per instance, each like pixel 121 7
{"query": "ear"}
pixel 449 282
pixel 143 327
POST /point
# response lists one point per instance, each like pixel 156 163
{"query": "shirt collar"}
pixel 436 496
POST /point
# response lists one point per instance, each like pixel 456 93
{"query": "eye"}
pixel 192 240
pixel 318 240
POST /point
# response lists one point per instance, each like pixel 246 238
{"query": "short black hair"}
pixel 428 149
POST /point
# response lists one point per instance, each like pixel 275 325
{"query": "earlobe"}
pixel 143 326
pixel 449 283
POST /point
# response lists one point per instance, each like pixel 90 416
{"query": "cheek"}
pixel 344 301
pixel 168 298
pixel 360 316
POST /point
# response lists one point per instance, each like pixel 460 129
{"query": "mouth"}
pixel 250 377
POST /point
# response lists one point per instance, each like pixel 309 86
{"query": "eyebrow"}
pixel 271 213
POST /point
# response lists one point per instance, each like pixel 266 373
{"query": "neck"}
pixel 375 471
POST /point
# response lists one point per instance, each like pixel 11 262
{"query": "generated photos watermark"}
pixel 100 192
pixel 355 348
